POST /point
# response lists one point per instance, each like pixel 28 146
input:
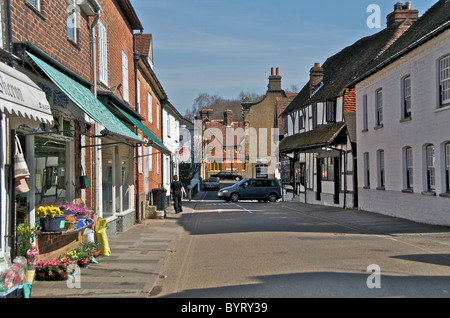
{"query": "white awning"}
pixel 22 100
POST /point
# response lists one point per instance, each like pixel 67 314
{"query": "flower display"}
pixel 48 211
pixel 77 210
pixel 54 267
pixel 27 235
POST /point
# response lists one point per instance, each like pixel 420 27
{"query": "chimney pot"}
pixel 315 78
pixel 271 71
pixel 278 71
pixel 401 13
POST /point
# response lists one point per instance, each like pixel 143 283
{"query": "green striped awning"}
pixel 154 141
pixel 86 101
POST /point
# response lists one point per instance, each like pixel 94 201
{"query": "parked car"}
pixel 252 189
pixel 212 184
pixel 227 175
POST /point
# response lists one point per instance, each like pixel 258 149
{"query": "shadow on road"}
pixel 328 285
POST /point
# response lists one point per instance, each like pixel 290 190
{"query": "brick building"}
pixel 81 55
pixel 151 96
pixel 223 144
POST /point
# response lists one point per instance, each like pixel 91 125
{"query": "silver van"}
pixel 252 189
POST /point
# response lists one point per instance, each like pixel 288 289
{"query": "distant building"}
pixel 264 129
pixel 223 145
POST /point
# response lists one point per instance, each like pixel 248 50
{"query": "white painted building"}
pixel 403 124
pixel 319 147
pixel 170 122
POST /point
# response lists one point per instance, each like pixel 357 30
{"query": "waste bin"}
pixel 159 199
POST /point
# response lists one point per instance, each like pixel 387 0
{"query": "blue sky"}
pixel 227 46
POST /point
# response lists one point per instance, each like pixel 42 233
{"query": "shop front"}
pixel 22 103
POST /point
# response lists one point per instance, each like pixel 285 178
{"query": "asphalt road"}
pixel 286 250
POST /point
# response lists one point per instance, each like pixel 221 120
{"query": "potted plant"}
pixel 41 269
pixel 54 269
pixel 52 218
pixel 26 238
pixel 92 248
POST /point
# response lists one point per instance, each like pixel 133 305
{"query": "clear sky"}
pixel 224 47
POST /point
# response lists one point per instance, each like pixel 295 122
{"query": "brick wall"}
pixel 52 246
pixel 47 30
pixel 120 38
pixel 350 100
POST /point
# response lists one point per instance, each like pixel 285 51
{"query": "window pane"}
pixel 444 74
pixel 51 167
pixel 72 20
pixel 35 3
pixel 407 96
pixel 379 103
pixel 431 177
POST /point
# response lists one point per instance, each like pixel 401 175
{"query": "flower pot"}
pixel 83 263
pixel 40 275
pixel 55 224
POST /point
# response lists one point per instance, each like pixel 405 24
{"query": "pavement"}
pixel 139 254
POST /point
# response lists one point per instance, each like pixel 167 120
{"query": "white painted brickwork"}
pixel 429 124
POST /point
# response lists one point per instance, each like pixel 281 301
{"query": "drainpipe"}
pixel 136 57
pixel 97 151
pixel 9 44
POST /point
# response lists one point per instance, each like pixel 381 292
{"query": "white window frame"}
pixel 72 17
pixel 157 116
pixel 37 6
pixel 150 107
pixel 138 93
pixel 430 155
pixel 365 114
pixel 409 168
pixel 103 53
pixel 381 170
pixel 125 84
pixel 379 107
pixel 406 97
pixel 447 167
pixel 140 158
pixel 157 162
pixel 150 158
pixel 366 170
pixel 444 81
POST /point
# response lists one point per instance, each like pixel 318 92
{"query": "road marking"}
pixel 244 209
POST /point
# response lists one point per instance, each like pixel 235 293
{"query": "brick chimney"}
pixel 402 12
pixel 315 78
pixel 274 81
pixel 206 113
pixel 228 117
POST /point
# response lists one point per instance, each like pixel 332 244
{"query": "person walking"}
pixel 177 190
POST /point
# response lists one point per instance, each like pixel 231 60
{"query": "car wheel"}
pixel 234 197
pixel 273 197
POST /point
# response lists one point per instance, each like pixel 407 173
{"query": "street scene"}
pixel 287 249
pixel 222 150
pixel 251 249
